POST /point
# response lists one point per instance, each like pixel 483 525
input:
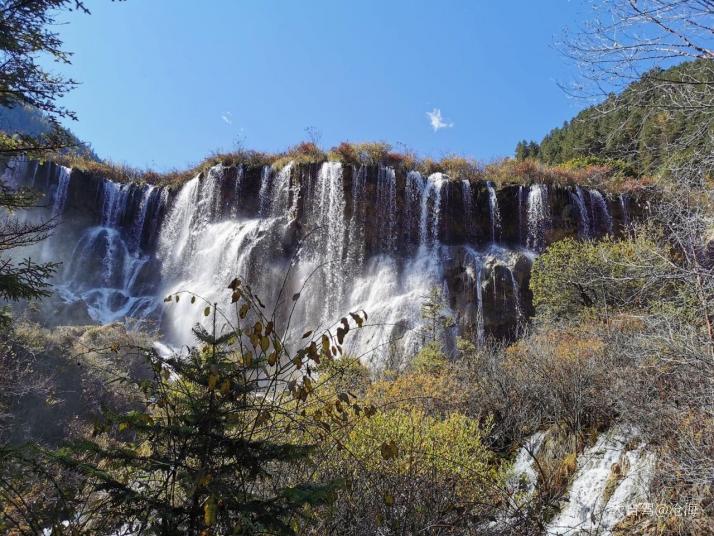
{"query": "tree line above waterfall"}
pixel 652 125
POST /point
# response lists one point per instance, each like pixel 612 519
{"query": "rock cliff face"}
pixel 344 238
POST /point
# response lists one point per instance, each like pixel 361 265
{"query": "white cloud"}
pixel 227 118
pixel 437 120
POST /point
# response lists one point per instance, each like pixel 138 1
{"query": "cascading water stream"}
pixel 356 253
pixel 60 197
pixel 329 213
pixel 237 190
pixel 105 266
pixel 114 201
pixel 137 230
pixel 285 198
pixel 516 293
pixel 494 213
pixel 387 208
pixel 264 193
pixel 467 196
pixel 431 209
pixel 480 321
pixel 538 216
pixel 583 218
pixel 413 196
pixel 602 214
pixel 522 228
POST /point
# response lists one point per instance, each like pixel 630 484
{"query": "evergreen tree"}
pixel 26 279
pixel 27 30
pixel 209 451
pixel 527 149
pixel 436 321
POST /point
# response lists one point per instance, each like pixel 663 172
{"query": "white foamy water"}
pixel 588 509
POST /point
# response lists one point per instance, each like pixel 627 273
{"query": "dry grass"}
pixel 501 172
pixel 305 152
pixel 606 177
pixel 119 172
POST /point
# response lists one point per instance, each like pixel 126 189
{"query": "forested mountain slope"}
pixel 666 109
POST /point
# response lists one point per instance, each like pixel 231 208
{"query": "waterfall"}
pixel 237 190
pixel 524 468
pixel 494 213
pixel 180 228
pixel 105 266
pixel 355 250
pixel 480 322
pixel 264 193
pixel 468 207
pixel 60 197
pixel 522 230
pixel 598 200
pixel 359 215
pixel 412 202
pixel 137 230
pixel 538 213
pixel 275 194
pixel 294 192
pixel 387 208
pixel 589 509
pixel 209 265
pixel 583 218
pixel 516 290
pixel 329 213
pixel 194 208
pixel 110 293
pixel 431 209
pixel 158 211
pixel 114 202
pixel 209 197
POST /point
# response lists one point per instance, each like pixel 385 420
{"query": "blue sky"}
pixel 166 82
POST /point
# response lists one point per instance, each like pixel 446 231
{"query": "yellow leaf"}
pixel 207 311
pixel 209 511
pixel 264 343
